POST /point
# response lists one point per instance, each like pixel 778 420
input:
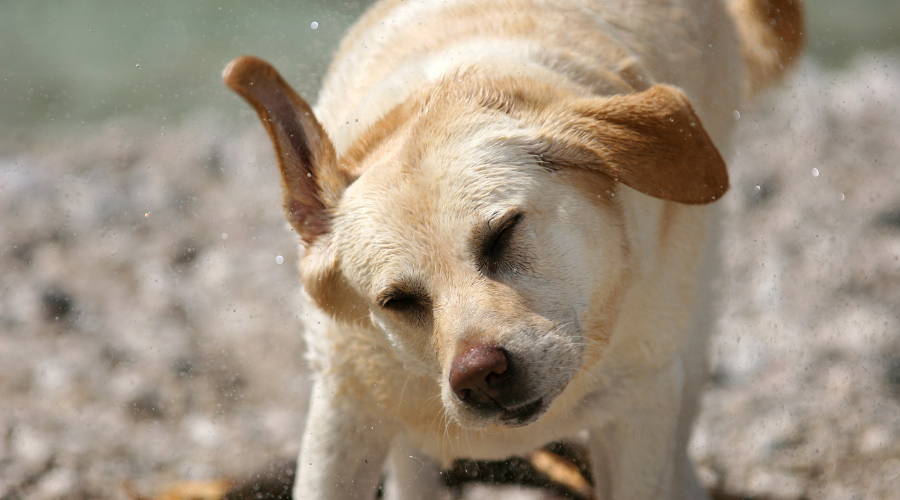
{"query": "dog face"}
pixel 472 263
pixel 477 227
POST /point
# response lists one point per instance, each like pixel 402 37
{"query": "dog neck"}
pixel 351 104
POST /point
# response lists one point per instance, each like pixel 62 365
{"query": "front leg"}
pixel 343 449
pixel 631 460
pixel 412 475
pixel 643 453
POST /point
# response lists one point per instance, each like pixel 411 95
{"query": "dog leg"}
pixel 640 455
pixel 686 483
pixel 343 450
pixel 412 475
pixel 632 460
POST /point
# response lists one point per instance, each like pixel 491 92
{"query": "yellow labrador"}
pixel 505 213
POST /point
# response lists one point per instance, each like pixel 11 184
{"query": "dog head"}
pixel 476 226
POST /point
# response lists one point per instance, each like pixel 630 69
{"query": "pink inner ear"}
pixel 304 153
pixel 309 223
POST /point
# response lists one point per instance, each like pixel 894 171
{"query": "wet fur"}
pixel 602 122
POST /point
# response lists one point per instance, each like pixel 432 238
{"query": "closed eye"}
pixel 402 301
pixel 494 249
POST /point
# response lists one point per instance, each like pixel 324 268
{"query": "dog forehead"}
pixel 413 218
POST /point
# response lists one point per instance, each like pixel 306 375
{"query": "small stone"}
pixel 184 368
pixel 186 254
pixel 147 405
pixel 892 375
pixel 889 219
pixel 57 304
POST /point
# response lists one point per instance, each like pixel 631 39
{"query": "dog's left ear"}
pixel 312 182
pixel 651 141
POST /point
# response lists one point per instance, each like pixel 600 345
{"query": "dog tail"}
pixel 772 37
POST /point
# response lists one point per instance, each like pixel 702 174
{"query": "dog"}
pixel 506 216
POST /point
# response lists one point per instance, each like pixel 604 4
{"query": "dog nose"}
pixel 479 374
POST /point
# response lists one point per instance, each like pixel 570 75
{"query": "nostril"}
pixel 494 379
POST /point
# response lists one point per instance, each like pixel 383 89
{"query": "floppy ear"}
pixel 311 179
pixel 651 141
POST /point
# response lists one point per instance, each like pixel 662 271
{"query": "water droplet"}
pixel 138 65
pixel 757 187
pixel 737 115
pixel 279 260
pixel 224 236
pixel 314 25
pixel 815 172
pixel 843 196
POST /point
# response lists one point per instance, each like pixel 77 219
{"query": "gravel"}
pixel 150 326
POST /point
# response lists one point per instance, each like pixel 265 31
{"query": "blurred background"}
pixel 70 65
pixel 149 322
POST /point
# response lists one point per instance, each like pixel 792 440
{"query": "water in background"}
pixel 72 64
pixel 68 64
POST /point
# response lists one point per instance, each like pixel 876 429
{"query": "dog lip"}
pixel 523 414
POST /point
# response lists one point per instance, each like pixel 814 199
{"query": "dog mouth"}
pixel 522 415
pixel 507 415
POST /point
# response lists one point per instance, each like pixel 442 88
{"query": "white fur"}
pixel 638 402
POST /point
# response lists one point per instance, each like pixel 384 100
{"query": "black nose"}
pixel 480 376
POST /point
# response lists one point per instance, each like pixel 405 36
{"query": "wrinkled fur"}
pixel 602 123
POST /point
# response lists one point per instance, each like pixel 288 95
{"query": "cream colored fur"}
pixel 440 116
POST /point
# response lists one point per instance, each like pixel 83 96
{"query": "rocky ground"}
pixel 149 328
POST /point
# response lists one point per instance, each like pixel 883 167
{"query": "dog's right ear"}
pixel 311 180
pixel 651 141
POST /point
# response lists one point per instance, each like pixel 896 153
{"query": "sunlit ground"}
pixel 149 327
